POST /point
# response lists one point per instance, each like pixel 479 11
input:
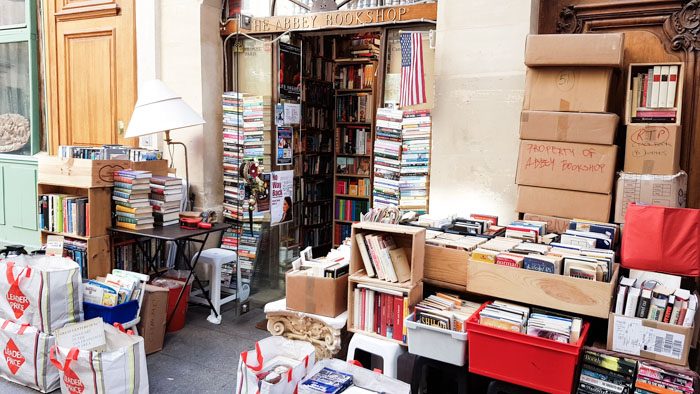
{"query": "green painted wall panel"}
pixel 18 202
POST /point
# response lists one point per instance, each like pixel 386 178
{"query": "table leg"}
pixel 151 259
pixel 191 268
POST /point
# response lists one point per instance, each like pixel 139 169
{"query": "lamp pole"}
pixel 170 142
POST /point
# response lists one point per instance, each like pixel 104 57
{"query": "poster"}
pixel 279 115
pixel 281 200
pixel 290 72
pixel 285 142
pixel 292 114
pixel 263 196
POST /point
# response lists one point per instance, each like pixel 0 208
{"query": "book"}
pixel 366 260
pixel 656 87
pixel 632 301
pixel 663 87
pixel 644 304
pixel 672 84
pixel 401 265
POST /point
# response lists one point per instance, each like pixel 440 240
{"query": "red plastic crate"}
pixel 525 360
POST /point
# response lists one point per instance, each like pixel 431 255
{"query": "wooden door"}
pixel 91 52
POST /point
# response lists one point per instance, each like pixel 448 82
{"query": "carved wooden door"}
pixel 91 52
pixel 655 31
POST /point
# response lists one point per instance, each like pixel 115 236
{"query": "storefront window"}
pixel 15 96
pixel 13 13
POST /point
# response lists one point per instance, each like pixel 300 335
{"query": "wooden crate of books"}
pixel 156 167
pixel 78 172
pixel 98 214
pixel 446 267
pixel 401 263
pixel 547 290
pixel 379 320
pixel 654 93
pixel 97 251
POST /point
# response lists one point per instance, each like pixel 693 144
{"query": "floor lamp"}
pixel 159 110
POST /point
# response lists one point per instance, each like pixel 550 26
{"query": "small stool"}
pixel 214 258
pixel 448 375
pixel 388 351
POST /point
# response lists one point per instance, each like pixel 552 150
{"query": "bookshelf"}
pixel 315 152
pixel 355 81
pixel 95 259
pixel 654 93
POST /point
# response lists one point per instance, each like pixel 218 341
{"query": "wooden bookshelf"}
pixel 100 220
pixel 634 70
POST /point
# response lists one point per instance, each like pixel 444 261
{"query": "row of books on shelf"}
pixel 602 372
pixel 319 69
pixel 316 214
pixel 649 299
pixel 383 258
pixel 353 187
pixel 318 165
pixel 531 321
pixel 359 46
pixel 316 236
pixel 341 231
pixel 108 152
pixel 350 210
pixel 380 311
pixel 313 190
pixel 355 76
pixel 316 142
pixel 132 257
pixel 354 140
pixel 352 165
pixel 653 95
pixel 354 108
pixel 63 213
pixel 317 117
pixel 76 250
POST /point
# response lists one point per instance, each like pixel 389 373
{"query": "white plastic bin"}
pixel 436 343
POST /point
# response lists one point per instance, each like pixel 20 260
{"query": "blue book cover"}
pixel 536 264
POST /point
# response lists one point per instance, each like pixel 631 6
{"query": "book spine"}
pixel 644 306
pixel 672 85
pixel 398 318
pixel 364 307
pixel 663 86
pixel 669 309
pixel 650 84
pixel 385 314
pixel 645 85
pixel 656 87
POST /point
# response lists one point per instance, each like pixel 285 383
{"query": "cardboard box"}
pixel 638 337
pixel 153 318
pixel 566 165
pixel 663 190
pixel 575 50
pixel 653 149
pixel 554 224
pixel 564 203
pixel 570 89
pixel 581 127
pixel 317 295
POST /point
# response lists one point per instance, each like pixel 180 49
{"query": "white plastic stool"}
pixel 388 351
pixel 214 258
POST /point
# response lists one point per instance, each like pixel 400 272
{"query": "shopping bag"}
pixel 273 356
pixel 661 239
pixel 26 356
pixel 42 291
pixel 118 368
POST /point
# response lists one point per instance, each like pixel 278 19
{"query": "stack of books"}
pixel 604 373
pixel 657 379
pixel 536 322
pixel 445 311
pixel 380 311
pixel 365 46
pixel 233 138
pixel 256 128
pixel 130 195
pixel 383 259
pixel 654 95
pixel 415 161
pixel 387 157
pixel 355 76
pixel 66 214
pixel 166 200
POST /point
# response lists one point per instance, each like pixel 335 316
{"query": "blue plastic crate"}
pixel 121 313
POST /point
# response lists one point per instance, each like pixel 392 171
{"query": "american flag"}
pixel 412 89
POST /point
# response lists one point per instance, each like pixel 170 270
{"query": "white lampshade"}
pixel 159 109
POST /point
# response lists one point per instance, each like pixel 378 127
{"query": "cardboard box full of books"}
pixel 316 295
pixel 580 127
pixel 564 203
pixel 575 50
pixel 554 224
pixel 569 89
pixel 565 165
pixel 649 339
pixel 664 190
pixel 653 149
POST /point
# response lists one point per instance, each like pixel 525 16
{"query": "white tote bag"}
pixel 299 356
pixel 26 356
pixel 119 369
pixel 42 291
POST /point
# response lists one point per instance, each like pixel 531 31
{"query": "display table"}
pixel 321 331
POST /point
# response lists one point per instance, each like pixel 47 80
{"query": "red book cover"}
pixel 644 90
pixel 157 191
pixel 398 318
pixel 375 310
pixel 389 316
pixel 362 310
pixel 385 302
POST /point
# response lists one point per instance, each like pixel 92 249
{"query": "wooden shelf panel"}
pixel 67 235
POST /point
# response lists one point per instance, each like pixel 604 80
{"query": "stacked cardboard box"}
pixel 566 164
pixel 652 172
